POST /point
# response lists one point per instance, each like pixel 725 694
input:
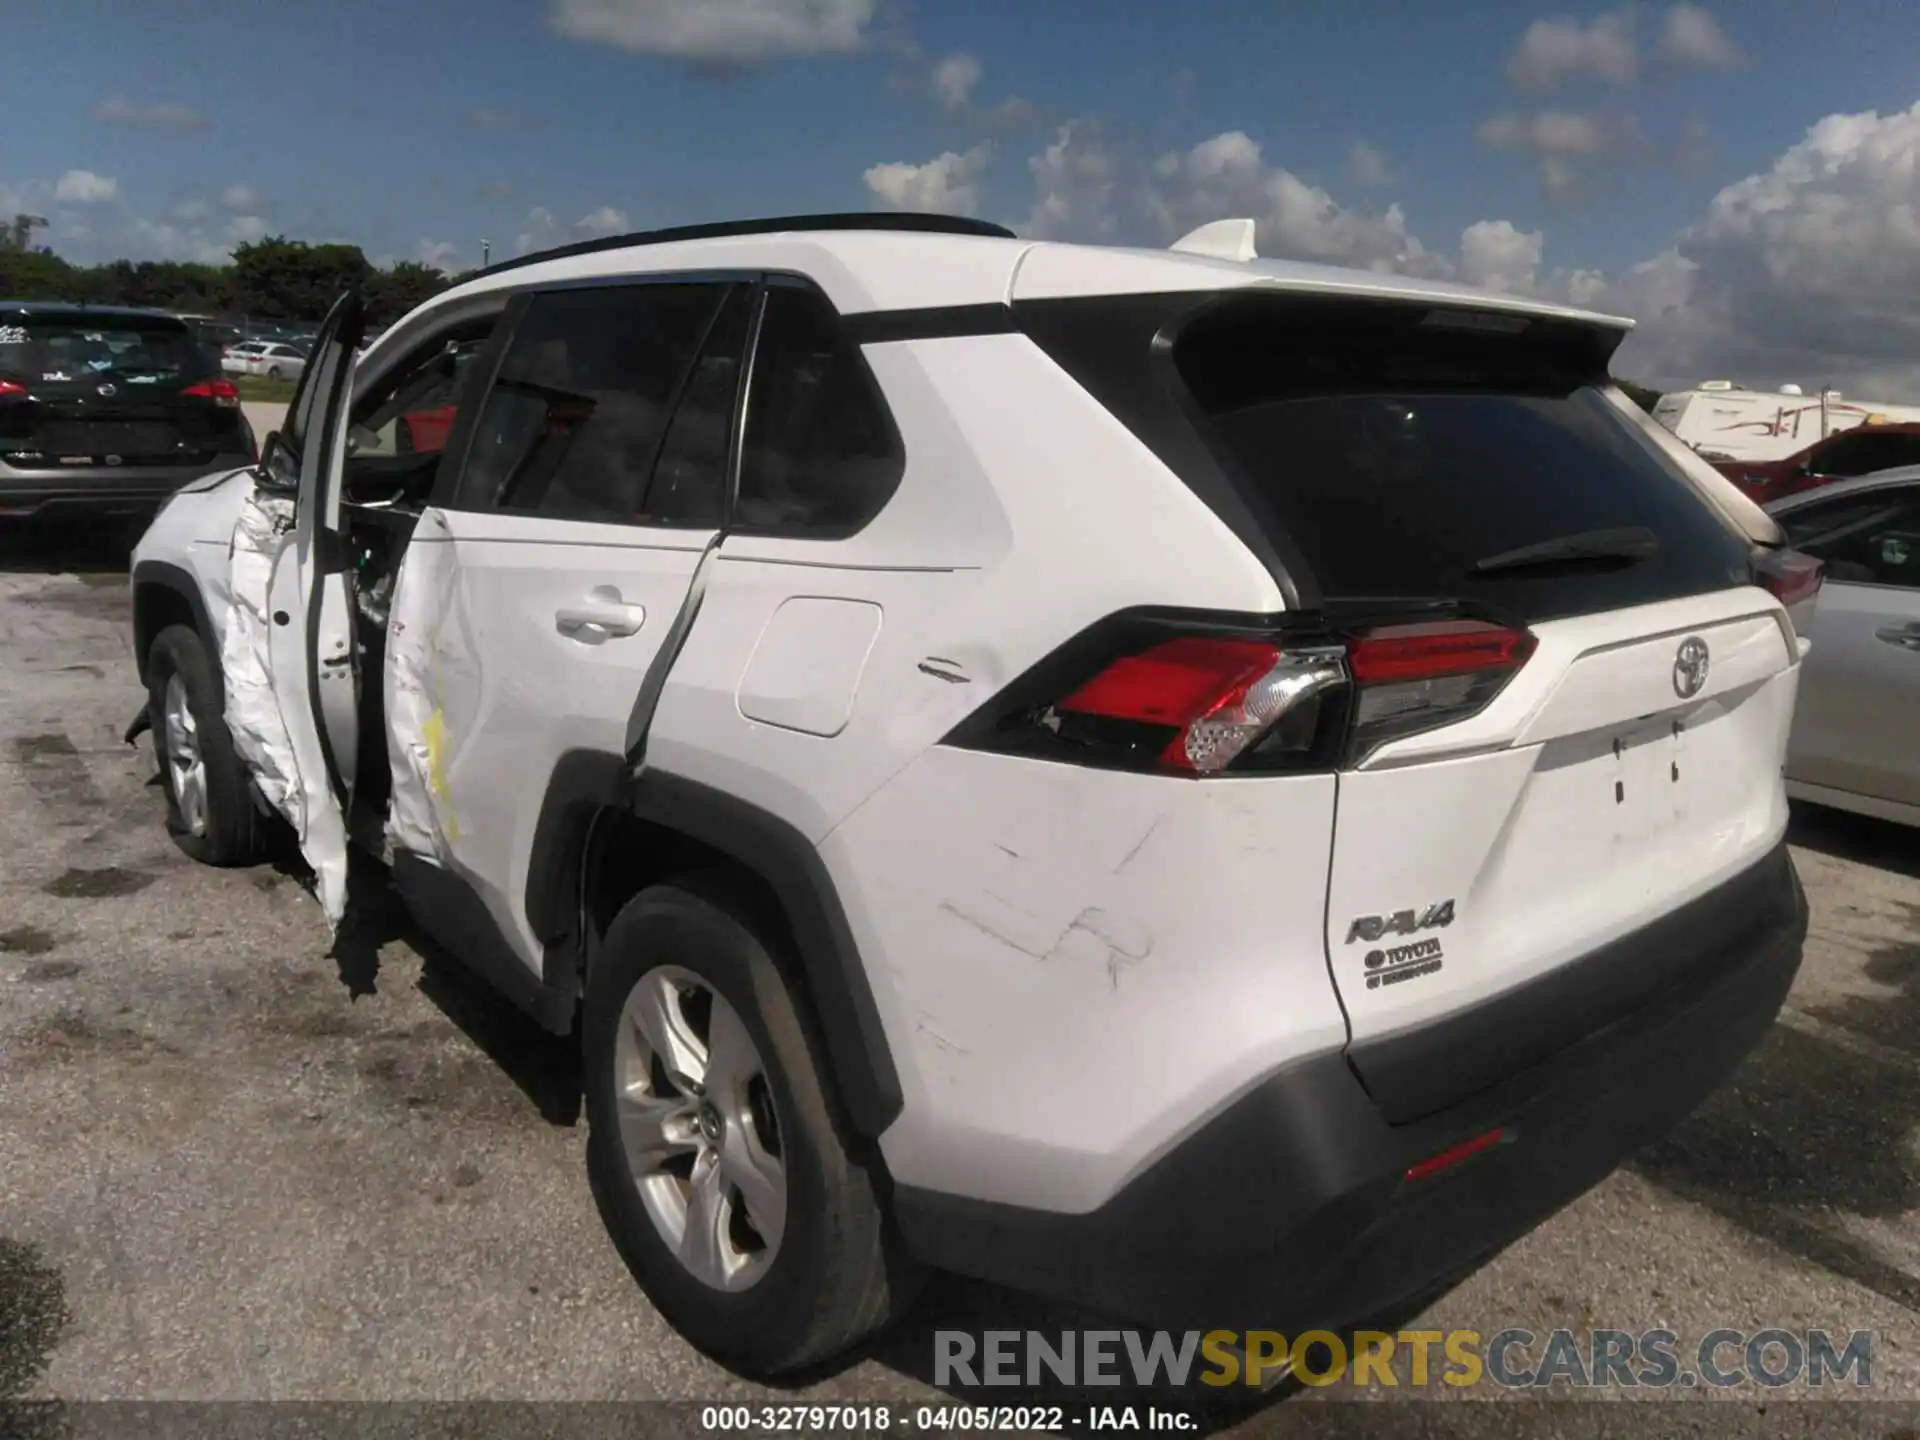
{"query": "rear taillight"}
pixel 10 387
pixel 1789 576
pixel 1217 696
pixel 1416 677
pixel 221 392
pixel 1199 703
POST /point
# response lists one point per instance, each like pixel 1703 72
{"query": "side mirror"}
pixel 278 469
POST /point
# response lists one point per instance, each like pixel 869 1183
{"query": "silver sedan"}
pixel 1856 732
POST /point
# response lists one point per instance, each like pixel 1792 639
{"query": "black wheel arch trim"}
pixel 170 577
pixel 585 782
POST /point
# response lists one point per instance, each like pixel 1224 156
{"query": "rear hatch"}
pixel 82 390
pixel 1571 718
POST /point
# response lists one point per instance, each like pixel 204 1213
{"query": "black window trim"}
pixel 848 335
pixel 450 484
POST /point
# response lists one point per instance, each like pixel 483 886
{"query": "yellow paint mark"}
pixel 435 734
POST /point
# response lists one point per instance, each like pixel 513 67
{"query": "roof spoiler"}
pixel 1222 239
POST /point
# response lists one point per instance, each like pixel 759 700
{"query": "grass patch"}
pixel 259 387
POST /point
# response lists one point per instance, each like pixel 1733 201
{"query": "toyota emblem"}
pixel 107 389
pixel 1690 667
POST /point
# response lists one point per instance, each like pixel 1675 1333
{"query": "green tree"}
pixel 281 279
pixel 391 293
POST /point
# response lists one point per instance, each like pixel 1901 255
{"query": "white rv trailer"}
pixel 1723 421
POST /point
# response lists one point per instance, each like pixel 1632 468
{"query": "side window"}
pixel 1865 539
pixel 413 408
pixel 689 482
pixel 578 411
pixel 1858 454
pixel 821 456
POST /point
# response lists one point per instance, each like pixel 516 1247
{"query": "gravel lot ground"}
pixel 235 1165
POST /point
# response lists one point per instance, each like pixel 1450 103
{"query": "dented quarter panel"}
pixel 1075 967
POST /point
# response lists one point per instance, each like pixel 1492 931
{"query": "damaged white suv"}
pixel 1221 791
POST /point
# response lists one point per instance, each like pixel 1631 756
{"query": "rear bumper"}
pixel 99 490
pixel 1291 1210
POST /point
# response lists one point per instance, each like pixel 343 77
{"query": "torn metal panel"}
pixel 420 816
pixel 263 530
pixel 261 557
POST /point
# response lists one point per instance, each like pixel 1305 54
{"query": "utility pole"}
pixel 486 251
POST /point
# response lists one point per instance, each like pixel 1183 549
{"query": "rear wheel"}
pixel 210 811
pixel 273 372
pixel 722 1164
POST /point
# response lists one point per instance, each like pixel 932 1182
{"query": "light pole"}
pixel 486 250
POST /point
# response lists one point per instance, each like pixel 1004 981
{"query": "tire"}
pixel 834 1275
pixel 273 373
pixel 223 827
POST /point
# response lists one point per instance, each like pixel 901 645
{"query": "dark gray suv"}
pixel 108 410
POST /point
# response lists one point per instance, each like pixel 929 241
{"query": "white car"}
pixel 1220 791
pixel 1856 732
pixel 234 358
pixel 275 360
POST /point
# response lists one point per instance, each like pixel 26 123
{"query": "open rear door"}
pixel 292 691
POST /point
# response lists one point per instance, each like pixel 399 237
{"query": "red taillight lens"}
pixel 9 387
pixel 1128 695
pixel 1417 677
pixel 1442 648
pixel 1219 696
pixel 1789 576
pixel 221 392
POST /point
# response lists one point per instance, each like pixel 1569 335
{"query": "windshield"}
pixel 41 351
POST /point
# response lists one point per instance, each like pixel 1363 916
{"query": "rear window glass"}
pixel 50 351
pixel 1398 452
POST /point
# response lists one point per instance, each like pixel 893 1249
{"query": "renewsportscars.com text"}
pixel 1514 1358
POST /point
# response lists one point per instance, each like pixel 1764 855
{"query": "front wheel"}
pixel 210 812
pixel 273 372
pixel 722 1164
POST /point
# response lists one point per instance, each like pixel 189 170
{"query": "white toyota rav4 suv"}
pixel 1214 790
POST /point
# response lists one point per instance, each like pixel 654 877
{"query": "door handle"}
pixel 1905 636
pixel 600 615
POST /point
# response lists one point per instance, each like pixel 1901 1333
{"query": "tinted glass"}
pixel 1397 453
pixel 580 406
pixel 689 481
pixel 821 456
pixel 1863 454
pixel 1865 539
pixel 50 352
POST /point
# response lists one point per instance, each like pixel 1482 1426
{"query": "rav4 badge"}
pixel 1401 922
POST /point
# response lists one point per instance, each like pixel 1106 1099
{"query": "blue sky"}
pixel 1601 135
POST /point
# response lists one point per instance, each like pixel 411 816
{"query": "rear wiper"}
pixel 1630 543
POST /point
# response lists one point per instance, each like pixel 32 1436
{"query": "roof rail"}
pixel 772 225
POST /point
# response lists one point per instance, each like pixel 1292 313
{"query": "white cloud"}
pixel 241 199
pixel 723 33
pixel 1496 256
pixel 1074 184
pixel 494 117
pixel 948 184
pixel 1368 163
pixel 247 228
pixel 83 187
pixel 1557 139
pixel 604 221
pixel 955 77
pixel 1808 271
pixel 1228 176
pixel 1555 49
pixel 158 240
pixel 542 230
pixel 119 110
pixel 439 254
pixel 189 211
pixel 1691 36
